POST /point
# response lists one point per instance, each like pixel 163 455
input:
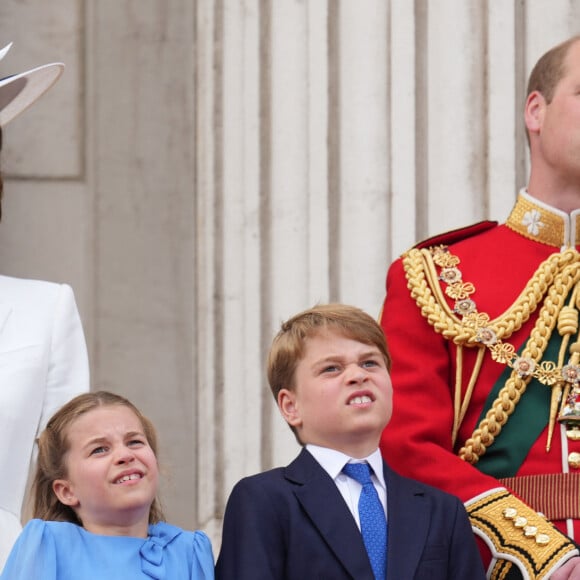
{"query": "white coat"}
pixel 43 364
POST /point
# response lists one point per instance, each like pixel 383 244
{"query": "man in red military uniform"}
pixel 483 327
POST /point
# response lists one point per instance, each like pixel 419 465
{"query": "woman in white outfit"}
pixel 43 355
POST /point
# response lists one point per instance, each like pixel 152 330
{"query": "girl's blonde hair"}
pixel 53 445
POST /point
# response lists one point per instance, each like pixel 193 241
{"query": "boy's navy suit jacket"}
pixel 292 523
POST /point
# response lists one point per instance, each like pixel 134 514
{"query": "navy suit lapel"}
pixel 321 500
pixel 407 525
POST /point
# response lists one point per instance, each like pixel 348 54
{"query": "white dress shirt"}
pixel 332 461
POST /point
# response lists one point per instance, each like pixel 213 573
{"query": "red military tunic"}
pixel 484 293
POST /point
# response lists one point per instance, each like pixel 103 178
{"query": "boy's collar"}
pixel 332 461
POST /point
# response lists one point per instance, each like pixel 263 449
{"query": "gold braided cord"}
pixel 468 391
pixel 423 283
pixel 463 325
pixel 501 569
pixel 567 326
pixel 457 394
pixel 509 396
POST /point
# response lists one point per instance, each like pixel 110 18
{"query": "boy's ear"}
pixel 64 492
pixel 289 408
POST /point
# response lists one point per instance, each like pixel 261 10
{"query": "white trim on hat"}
pixel 18 92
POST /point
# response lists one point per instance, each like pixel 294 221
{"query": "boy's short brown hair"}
pixel 289 344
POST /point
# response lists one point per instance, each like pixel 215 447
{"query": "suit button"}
pixel 574 459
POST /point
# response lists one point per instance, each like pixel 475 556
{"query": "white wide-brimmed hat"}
pixel 19 91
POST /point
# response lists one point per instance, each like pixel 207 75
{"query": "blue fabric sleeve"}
pixel 203 562
pixel 33 554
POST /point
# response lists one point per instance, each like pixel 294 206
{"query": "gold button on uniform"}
pixel 574 459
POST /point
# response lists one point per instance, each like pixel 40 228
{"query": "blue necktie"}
pixel 372 518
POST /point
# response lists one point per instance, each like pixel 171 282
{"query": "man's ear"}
pixel 64 492
pixel 289 408
pixel 534 111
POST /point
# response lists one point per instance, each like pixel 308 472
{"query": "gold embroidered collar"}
pixel 538 221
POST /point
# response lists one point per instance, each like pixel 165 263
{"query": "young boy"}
pixel 328 369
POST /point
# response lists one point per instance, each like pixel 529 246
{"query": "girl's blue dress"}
pixel 65 551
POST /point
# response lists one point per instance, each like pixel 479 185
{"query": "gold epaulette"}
pixel 518 536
